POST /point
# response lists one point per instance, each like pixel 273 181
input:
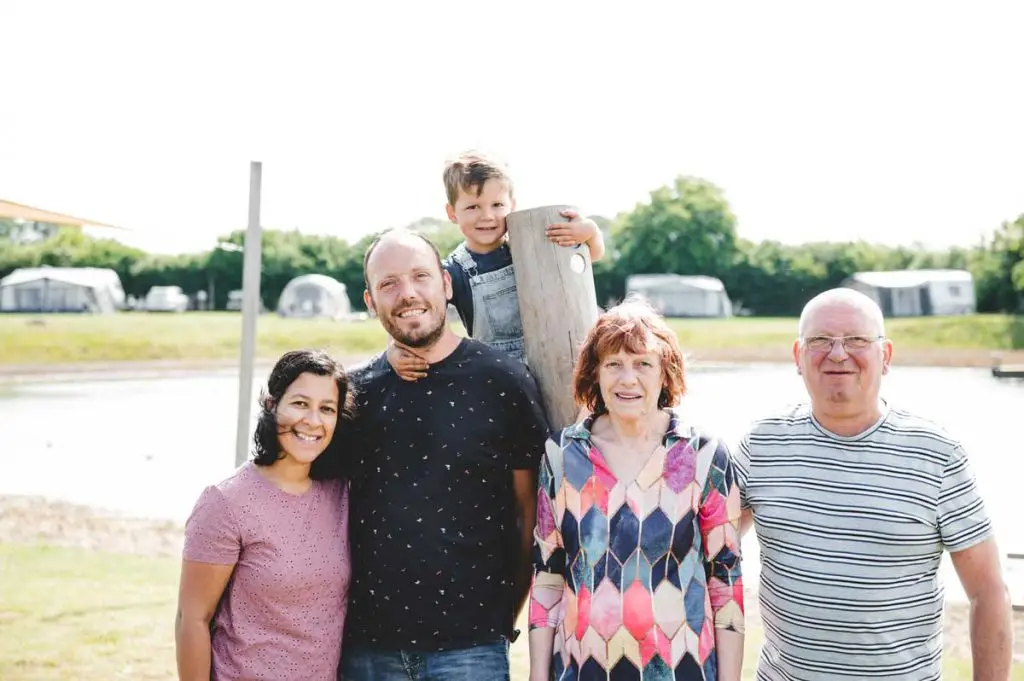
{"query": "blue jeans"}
pixel 487 662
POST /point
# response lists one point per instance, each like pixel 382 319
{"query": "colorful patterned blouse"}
pixel 635 576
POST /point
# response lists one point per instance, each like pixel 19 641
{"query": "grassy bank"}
pixel 72 614
pixel 90 595
pixel 71 339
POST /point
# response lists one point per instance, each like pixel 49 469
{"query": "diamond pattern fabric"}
pixel 635 576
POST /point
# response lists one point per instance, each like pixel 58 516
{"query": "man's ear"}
pixel 447 279
pixel 886 355
pixel 368 301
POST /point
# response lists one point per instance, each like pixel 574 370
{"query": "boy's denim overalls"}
pixel 496 318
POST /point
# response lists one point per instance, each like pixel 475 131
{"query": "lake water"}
pixel 149 446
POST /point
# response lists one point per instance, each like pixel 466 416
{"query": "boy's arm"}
pixel 407 364
pixel 572 234
pixel 595 244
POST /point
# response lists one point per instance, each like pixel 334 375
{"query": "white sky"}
pixel 886 121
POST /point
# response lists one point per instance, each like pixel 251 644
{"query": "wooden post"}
pixel 557 302
pixel 250 311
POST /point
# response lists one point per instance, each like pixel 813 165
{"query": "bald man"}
pixel 854 501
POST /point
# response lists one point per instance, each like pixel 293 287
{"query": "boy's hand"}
pixel 572 233
pixel 408 365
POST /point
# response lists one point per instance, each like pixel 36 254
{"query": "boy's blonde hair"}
pixel 470 171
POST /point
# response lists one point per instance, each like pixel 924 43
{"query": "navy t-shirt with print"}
pixel 462 293
pixel 432 523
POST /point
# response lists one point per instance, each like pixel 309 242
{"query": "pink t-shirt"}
pixel 283 611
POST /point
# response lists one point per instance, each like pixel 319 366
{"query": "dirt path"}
pixel 32 520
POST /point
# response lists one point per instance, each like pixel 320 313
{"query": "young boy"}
pixel 480 196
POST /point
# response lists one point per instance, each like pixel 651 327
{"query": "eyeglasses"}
pixel 850 343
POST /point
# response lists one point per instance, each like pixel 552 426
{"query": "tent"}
pixel 912 293
pixel 676 295
pixel 61 289
pixel 314 295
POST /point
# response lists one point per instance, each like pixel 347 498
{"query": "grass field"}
pixel 199 336
pixel 70 614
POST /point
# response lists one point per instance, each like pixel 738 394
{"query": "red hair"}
pixel 635 326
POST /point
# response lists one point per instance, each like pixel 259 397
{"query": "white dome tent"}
pixel 314 295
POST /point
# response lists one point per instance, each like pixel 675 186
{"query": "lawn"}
pixel 198 336
pixel 76 615
pixel 970 332
pixel 61 339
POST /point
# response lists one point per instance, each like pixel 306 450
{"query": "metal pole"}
pixel 250 311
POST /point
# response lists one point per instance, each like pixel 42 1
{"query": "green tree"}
pixel 442 233
pixel 997 269
pixel 685 228
pixel 20 231
pixel 771 278
pixel 69 247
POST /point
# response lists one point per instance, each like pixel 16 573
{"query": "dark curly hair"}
pixel 289 367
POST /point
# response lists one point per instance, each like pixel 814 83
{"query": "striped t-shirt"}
pixel 851 532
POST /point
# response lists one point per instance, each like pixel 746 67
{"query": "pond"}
pixel 148 446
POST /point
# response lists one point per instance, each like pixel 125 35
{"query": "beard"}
pixel 424 336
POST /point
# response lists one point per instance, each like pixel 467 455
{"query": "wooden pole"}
pixel 557 302
pixel 250 311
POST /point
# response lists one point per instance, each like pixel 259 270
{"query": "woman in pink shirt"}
pixel 265 569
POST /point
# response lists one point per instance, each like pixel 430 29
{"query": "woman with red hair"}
pixel 637 544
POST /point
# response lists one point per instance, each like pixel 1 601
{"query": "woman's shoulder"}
pixel 241 478
pixel 694 434
pixel 580 432
pixel 238 488
pixel 682 427
pixel 218 503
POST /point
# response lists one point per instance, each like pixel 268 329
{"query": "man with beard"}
pixel 443 486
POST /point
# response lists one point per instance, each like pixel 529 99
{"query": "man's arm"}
pixel 524 483
pixel 746 521
pixel 991 621
pixel 966 533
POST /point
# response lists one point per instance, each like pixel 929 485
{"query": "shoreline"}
pixel 916 357
pixel 965 358
pixel 37 521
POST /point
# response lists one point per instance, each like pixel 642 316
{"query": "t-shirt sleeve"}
pixel 741 469
pixel 211 534
pixel 531 423
pixel 962 519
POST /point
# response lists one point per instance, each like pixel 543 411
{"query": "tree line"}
pixel 686 227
